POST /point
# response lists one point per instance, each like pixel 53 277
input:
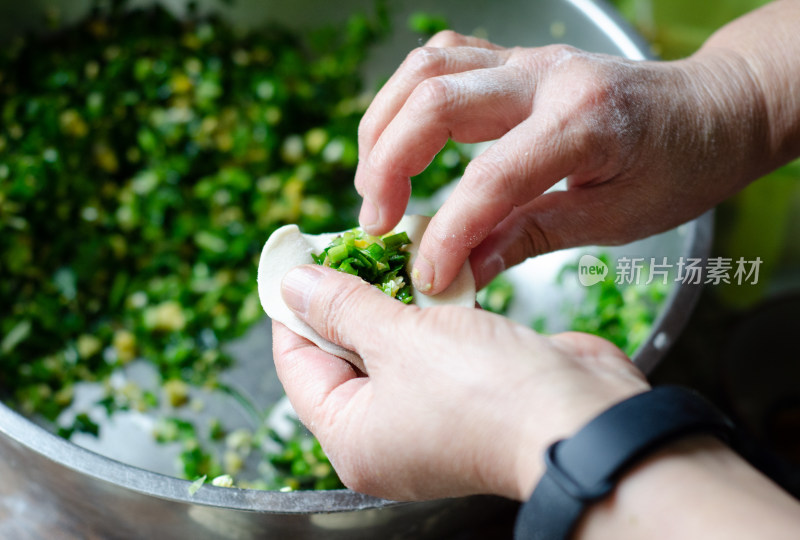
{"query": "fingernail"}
pixel 298 285
pixel 369 215
pixel 422 274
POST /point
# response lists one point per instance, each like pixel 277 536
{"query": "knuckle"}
pixel 433 96
pixel 595 114
pixel 608 110
pixel 490 180
pixel 560 52
pixel 484 169
pixel 535 239
pixel 560 55
pixel 333 311
pixel 446 38
pixel 425 61
pixel 434 90
pixel 543 58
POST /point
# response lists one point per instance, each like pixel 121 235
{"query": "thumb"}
pixel 343 309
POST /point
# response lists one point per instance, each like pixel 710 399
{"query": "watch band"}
pixel 585 467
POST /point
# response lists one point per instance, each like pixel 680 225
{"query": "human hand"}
pixel 454 401
pixel 644 146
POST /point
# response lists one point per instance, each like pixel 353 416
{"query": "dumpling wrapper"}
pixel 287 248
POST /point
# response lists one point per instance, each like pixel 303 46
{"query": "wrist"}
pixel 586 467
pixel 541 433
pixel 728 118
pixel 678 463
pixel 765 46
pixel 692 488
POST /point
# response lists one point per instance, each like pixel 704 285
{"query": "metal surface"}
pixel 101 497
pixel 95 495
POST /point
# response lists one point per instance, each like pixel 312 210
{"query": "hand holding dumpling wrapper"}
pixel 287 248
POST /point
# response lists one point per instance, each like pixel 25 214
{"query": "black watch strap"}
pixel 585 467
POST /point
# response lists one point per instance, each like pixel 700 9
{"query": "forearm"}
pixel 697 488
pixel 767 45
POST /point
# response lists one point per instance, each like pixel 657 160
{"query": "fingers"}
pixel 422 63
pixel 448 38
pixel 344 309
pixel 540 226
pixel 515 170
pixel 378 179
pixel 557 112
pixel 464 53
pixel 601 214
pixel 514 239
pixel 474 106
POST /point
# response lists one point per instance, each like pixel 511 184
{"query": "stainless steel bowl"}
pixel 50 484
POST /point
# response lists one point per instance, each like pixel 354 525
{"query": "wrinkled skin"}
pixel 470 392
pixel 456 401
pixel 644 146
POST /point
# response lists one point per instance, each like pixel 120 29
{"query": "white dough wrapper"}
pixel 287 248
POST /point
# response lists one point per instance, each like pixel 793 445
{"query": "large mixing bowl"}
pixel 51 484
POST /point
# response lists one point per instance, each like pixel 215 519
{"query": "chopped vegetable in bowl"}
pixel 143 160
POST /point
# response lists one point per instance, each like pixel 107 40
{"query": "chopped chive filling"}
pixel 379 261
pixel 144 158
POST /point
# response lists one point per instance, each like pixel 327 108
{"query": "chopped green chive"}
pixel 375 251
pixel 396 240
pixel 379 261
pixel 337 253
pixel 144 159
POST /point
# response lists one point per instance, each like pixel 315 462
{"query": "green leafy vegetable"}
pixel 302 464
pixel 81 424
pixel 380 261
pixel 426 23
pixel 144 159
pixel 621 313
pixel 497 295
pixel 196 485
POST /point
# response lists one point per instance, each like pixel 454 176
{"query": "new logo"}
pixel 591 270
